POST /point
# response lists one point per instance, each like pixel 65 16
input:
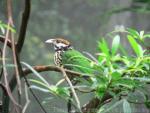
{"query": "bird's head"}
pixel 59 44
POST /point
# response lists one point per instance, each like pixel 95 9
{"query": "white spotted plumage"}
pixel 60 46
pixel 57 58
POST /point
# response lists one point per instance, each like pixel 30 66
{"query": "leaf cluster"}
pixel 119 72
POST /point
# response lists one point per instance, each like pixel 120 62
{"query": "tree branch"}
pixel 2 39
pixel 23 27
pixel 94 104
pixel 90 106
pixel 43 68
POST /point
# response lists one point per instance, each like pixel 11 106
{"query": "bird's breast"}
pixel 58 58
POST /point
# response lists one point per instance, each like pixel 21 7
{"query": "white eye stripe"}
pixel 61 45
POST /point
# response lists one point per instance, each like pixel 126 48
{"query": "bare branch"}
pixel 2 39
pixel 5 74
pixel 71 86
pixel 43 68
pixel 3 88
pixel 4 67
pixel 93 104
pixel 15 63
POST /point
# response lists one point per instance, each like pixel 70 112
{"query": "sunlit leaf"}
pixel 115 44
pixel 147 36
pixel 104 47
pixel 39 88
pixel 141 35
pixel 136 47
pixel 40 83
pixel 9 27
pixel 2 29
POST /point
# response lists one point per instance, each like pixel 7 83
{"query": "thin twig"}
pixel 91 56
pixel 1 54
pixel 10 23
pixel 15 63
pixel 4 67
pixel 60 82
pixel 3 88
pixel 36 98
pixel 27 99
pixel 72 89
pixel 25 72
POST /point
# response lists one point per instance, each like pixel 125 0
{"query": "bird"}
pixel 69 58
pixel 65 55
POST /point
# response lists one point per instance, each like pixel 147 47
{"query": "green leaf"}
pixel 141 79
pixel 102 110
pixel 126 107
pixel 63 91
pixel 9 27
pixel 122 49
pixel 116 75
pixel 104 47
pixel 115 44
pixel 2 29
pixel 39 88
pixel 146 36
pixel 135 46
pixel 101 85
pixel 40 83
pixel 141 35
pixel 133 33
pixel 126 83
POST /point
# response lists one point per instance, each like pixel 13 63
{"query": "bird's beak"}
pixel 49 41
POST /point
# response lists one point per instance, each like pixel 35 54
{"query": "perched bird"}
pixel 66 56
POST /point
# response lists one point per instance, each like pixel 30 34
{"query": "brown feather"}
pixel 61 40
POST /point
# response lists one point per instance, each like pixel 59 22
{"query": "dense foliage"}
pixel 120 74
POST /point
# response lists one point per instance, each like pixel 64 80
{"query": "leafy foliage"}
pixel 4 26
pixel 118 74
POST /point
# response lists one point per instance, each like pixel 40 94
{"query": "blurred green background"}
pixel 82 22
